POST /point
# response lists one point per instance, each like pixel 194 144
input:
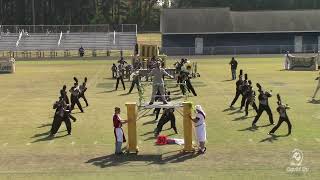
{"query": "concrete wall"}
pixel 254 43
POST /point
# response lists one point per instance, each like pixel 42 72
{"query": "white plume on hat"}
pixel 199 108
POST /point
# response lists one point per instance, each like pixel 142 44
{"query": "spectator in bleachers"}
pixel 81 51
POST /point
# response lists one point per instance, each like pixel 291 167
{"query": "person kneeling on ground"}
pixel 200 126
pixel 168 115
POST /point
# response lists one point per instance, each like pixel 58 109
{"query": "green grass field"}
pixel 234 152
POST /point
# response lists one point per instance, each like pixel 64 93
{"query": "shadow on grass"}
pixel 45 134
pixel 242 118
pixel 110 78
pixel 149 122
pixel 116 160
pixel 150 138
pixel 147 133
pixel 177 90
pixel 79 112
pixel 227 80
pixel 124 94
pixel 313 101
pixel 251 128
pixel 110 91
pixel 176 98
pixel 235 112
pixel 273 138
pixel 48 138
pixel 45 125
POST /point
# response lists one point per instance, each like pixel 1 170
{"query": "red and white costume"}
pixel 118 132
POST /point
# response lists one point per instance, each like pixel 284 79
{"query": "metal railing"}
pixel 68 28
pixel 225 50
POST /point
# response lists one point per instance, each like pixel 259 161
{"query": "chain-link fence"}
pixel 68 28
pixel 225 50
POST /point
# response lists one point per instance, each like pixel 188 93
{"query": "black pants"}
pixel 281 119
pixel 157 111
pixel 84 98
pixel 190 87
pixel 118 79
pixel 75 100
pixel 163 120
pixel 66 99
pixel 132 86
pixel 57 123
pixel 114 74
pixel 243 101
pixel 179 80
pixel 236 97
pixel 253 105
pixel 260 111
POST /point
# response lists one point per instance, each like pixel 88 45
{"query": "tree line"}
pixel 145 13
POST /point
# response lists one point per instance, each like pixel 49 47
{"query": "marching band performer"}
pixel 75 93
pixel 118 132
pixel 158 83
pixel 282 110
pixel 200 126
pixel 263 105
pixel 120 71
pixel 317 88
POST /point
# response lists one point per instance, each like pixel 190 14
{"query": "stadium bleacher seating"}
pixel 69 41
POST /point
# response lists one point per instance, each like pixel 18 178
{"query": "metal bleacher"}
pixel 49 41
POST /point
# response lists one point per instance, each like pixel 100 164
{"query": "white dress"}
pixel 200 128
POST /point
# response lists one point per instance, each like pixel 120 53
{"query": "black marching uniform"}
pixel 185 78
pixel 263 106
pixel 75 94
pixel 83 89
pixel 62 113
pixel 238 90
pixel 114 71
pixel 168 115
pixel 282 110
pixel 120 72
pixel 158 98
pixel 179 66
pixel 63 94
pixel 251 95
pixel 244 90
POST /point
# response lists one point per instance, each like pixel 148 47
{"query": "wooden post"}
pixel 187 127
pixel 132 127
